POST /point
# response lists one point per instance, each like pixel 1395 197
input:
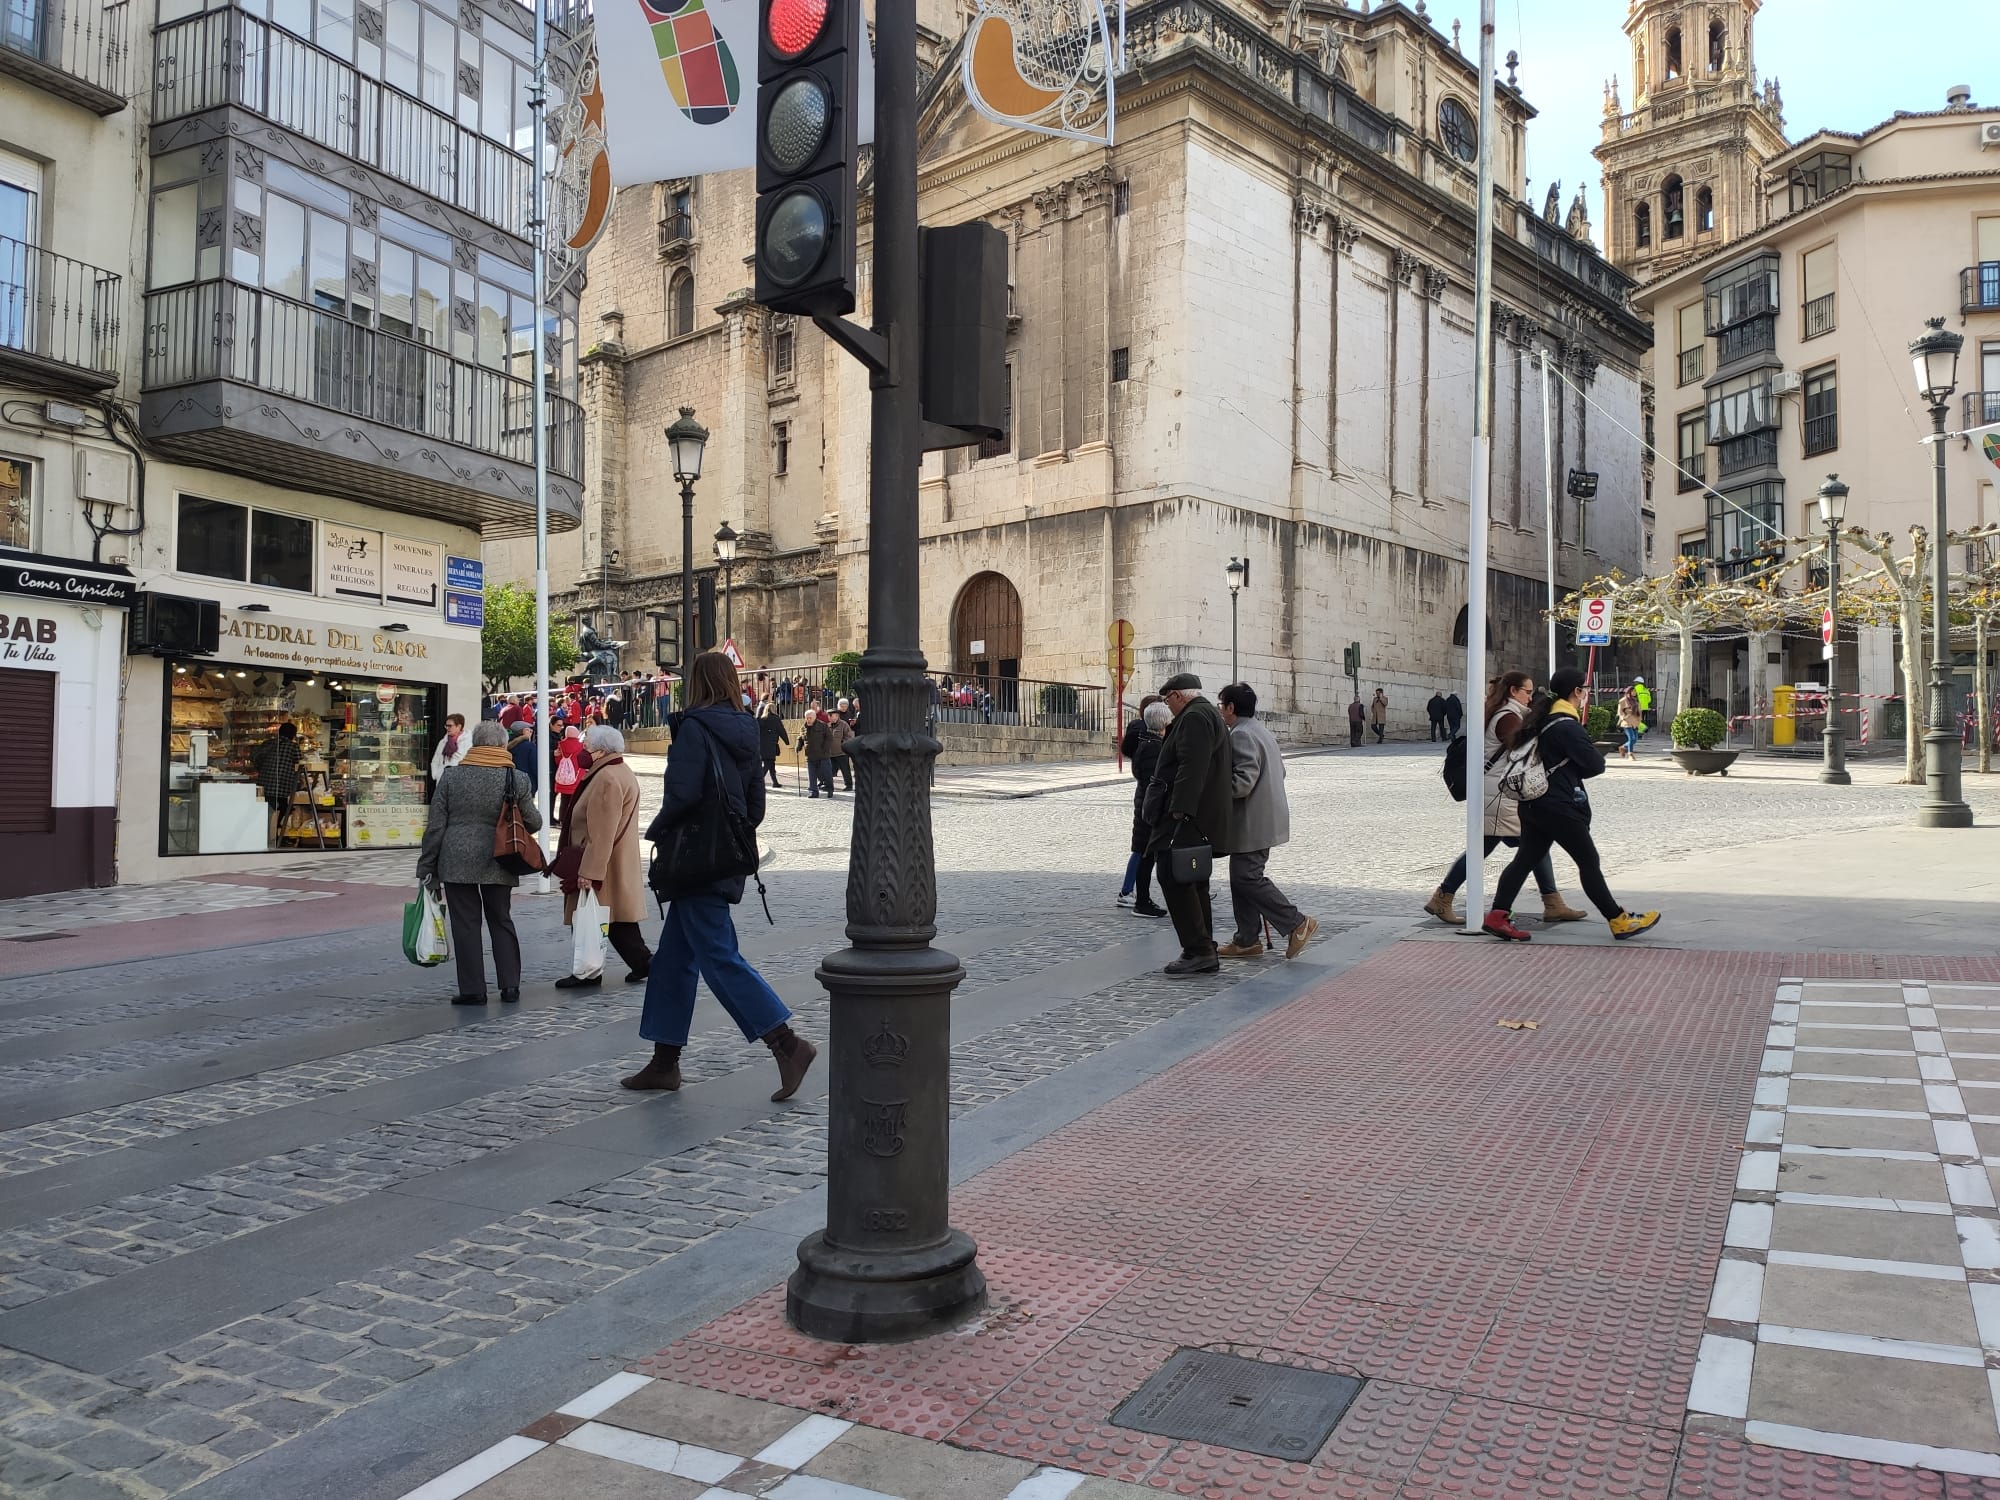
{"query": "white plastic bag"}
pixel 424 931
pixel 588 924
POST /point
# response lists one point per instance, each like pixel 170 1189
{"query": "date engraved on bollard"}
pixel 885 1219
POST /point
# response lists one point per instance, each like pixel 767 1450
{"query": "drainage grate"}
pixel 39 937
pixel 1240 1403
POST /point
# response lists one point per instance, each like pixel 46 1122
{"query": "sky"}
pixel 1842 64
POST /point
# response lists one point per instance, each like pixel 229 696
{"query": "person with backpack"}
pixel 572 761
pixel 1508 699
pixel 1545 771
pixel 713 762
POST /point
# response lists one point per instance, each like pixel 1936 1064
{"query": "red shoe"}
pixel 1501 925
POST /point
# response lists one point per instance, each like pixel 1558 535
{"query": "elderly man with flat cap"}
pixel 1191 787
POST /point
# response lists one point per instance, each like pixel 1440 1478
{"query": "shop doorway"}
pixel 986 639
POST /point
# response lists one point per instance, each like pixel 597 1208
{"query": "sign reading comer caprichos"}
pixel 323 645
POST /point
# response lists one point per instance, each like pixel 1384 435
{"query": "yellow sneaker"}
pixel 1632 923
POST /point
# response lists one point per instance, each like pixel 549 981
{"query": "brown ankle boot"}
pixel 663 1072
pixel 1555 909
pixel 1440 907
pixel 794 1054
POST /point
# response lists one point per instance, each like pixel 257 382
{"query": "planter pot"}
pixel 1706 762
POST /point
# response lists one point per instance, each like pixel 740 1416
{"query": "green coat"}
pixel 1196 766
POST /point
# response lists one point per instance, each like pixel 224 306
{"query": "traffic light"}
pixel 808 88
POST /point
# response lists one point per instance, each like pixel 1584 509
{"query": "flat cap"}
pixel 1181 682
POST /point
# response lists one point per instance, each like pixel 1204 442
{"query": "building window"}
pixel 1718 45
pixel 781 441
pixel 1742 293
pixel 1121 364
pixel 215 539
pixel 1816 177
pixel 1822 426
pixel 1673 53
pixel 1693 343
pixel 1695 547
pixel 1456 127
pixel 1003 445
pixel 678 223
pixel 1741 405
pixel 782 356
pixel 1743 524
pixel 1673 208
pixel 1692 451
pixel 1816 268
pixel 680 305
pixel 1987 402
pixel 1704 211
pixel 17 503
pixel 1642 224
pixel 1121 199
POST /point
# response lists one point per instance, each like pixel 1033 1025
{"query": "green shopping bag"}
pixel 424 940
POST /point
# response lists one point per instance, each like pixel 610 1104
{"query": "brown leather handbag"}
pixel 515 850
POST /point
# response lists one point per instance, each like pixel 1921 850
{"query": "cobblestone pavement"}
pixel 471 1171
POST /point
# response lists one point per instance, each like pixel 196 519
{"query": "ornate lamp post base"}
pixel 861 1297
pixel 1942 807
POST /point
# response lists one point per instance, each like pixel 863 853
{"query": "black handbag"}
pixel 714 841
pixel 1189 863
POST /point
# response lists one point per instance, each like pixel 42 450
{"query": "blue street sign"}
pixel 465 573
pixel 464 609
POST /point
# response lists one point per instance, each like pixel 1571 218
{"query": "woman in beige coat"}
pixel 601 837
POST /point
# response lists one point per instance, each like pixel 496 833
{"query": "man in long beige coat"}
pixel 604 825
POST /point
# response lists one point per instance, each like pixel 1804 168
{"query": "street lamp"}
pixel 1237 571
pixel 1935 357
pixel 686 440
pixel 1833 744
pixel 725 553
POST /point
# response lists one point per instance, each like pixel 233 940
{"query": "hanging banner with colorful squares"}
pixel 679 82
pixel 1991 448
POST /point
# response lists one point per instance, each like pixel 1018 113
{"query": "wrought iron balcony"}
pixel 225 57
pixel 58 318
pixel 1979 287
pixel 1692 472
pixel 1754 450
pixel 1819 316
pixel 1692 364
pixel 245 379
pixel 1822 434
pixel 79 50
pixel 1981 407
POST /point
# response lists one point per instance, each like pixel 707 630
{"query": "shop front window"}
pixel 351 773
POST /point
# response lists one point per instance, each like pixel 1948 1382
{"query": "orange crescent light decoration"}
pixel 1043 66
pixel 589 136
pixel 996 72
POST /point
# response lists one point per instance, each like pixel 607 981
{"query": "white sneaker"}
pixel 1124 898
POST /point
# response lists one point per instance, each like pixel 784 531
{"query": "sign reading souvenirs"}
pixel 414 572
pixel 56 581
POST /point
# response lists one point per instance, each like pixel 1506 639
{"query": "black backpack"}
pixel 1454 768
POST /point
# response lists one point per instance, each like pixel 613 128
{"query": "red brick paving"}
pixel 1510 1234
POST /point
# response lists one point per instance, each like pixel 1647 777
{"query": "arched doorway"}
pixel 986 638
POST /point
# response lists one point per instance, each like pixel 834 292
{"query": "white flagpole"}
pixel 539 415
pixel 1481 502
pixel 1549 495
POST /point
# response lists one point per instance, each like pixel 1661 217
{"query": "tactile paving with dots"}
pixel 1534 1218
pixel 1714 1467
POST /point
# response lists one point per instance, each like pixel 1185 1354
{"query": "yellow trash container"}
pixel 1784 727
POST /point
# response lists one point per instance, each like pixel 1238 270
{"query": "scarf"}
pixel 450 746
pixel 1564 706
pixel 488 755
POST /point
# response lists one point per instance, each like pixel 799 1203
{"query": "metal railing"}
pixel 1819 316
pixel 1981 407
pixel 1753 450
pixel 58 309
pixel 1745 338
pixel 87 42
pixel 1822 434
pixel 1692 471
pixel 1979 287
pixel 676 229
pixel 227 57
pixel 1692 363
pixel 1033 702
pixel 222 330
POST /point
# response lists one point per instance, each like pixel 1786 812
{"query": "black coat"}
pixel 819 739
pixel 1145 757
pixel 1570 759
pixel 1195 764
pixel 771 734
pixel 732 735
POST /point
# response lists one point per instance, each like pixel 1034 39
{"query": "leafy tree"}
pixel 843 676
pixel 1683 603
pixel 507 644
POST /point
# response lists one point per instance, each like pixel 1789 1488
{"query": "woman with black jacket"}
pixel 1560 817
pixel 770 735
pixel 1154 723
pixel 1129 746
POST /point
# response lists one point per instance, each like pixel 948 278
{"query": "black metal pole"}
pixel 1833 744
pixel 1944 804
pixel 889 1265
pixel 728 602
pixel 688 644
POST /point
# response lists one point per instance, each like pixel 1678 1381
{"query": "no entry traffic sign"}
pixel 1594 623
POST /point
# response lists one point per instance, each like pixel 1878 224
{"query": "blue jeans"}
pixel 1632 741
pixel 700 938
pixel 1131 874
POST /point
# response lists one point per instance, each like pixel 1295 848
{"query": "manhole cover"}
pixel 1240 1403
pixel 39 937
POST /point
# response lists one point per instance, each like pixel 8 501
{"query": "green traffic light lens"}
pixel 795 237
pixel 797 124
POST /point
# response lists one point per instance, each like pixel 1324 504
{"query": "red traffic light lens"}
pixel 794 25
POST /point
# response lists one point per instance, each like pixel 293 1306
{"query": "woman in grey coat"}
pixel 458 854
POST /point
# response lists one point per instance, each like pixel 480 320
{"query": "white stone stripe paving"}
pixel 1726 1379
pixel 645 1451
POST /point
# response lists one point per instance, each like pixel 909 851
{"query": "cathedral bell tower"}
pixel 1682 167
